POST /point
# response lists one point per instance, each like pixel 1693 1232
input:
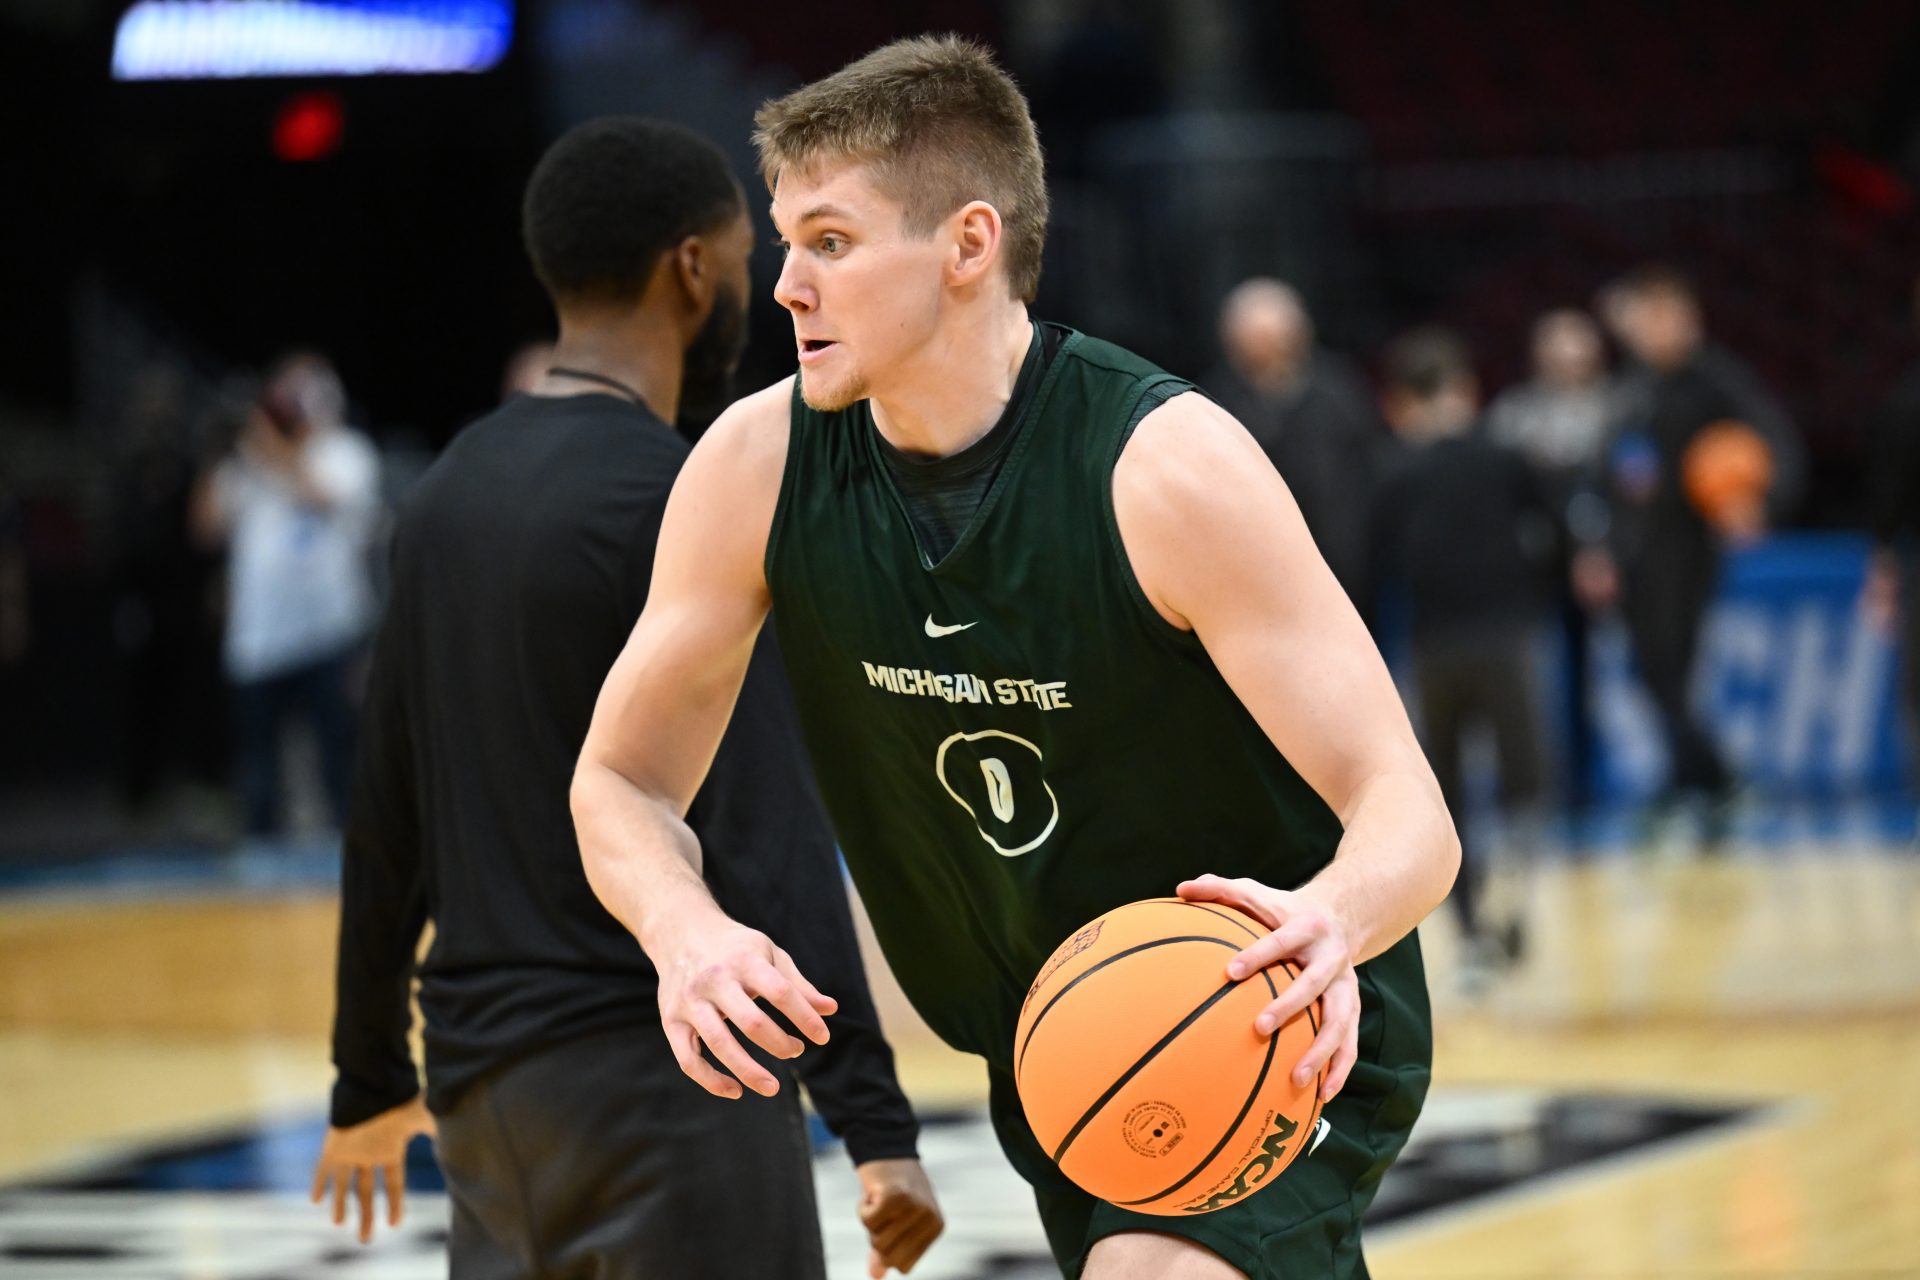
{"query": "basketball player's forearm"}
pixel 1395 863
pixel 641 858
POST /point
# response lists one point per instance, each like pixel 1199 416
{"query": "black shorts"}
pixel 599 1158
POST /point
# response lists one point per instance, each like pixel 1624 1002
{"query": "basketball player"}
pixel 571 1143
pixel 1060 641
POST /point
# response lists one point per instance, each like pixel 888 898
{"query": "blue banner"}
pixel 1800 692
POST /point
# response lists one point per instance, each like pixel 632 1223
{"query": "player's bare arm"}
pixel 1220 549
pixel 655 729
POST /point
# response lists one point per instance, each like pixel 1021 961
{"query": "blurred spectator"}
pixel 1893 491
pixel 526 369
pixel 1666 552
pixel 163 626
pixel 1559 420
pixel 1311 418
pixel 295 500
pixel 1465 525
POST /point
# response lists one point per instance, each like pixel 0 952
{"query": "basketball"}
pixel 1140 1070
pixel 1726 466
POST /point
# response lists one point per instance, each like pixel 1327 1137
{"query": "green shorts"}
pixel 1305 1226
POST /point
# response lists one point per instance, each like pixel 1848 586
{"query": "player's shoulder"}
pixel 1187 450
pixel 747 443
pixel 755 424
pixel 1108 357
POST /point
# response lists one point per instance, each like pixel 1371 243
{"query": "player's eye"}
pixel 780 243
pixel 831 244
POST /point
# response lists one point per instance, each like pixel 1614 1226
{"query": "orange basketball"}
pixel 1726 466
pixel 1140 1070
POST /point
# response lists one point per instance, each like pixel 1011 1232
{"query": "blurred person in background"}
pixel 571 1142
pixel 165 627
pixel 295 502
pixel 1559 421
pixel 1665 550
pixel 1893 515
pixel 526 368
pixel 1308 416
pixel 1467 527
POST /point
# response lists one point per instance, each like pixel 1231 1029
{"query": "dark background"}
pixel 1468 163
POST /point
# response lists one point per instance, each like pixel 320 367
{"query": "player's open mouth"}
pixel 814 348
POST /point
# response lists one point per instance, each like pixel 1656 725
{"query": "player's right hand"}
pixel 712 970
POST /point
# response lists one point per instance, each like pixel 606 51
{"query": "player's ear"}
pixel 694 268
pixel 976 242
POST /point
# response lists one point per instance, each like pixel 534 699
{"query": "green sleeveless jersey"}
pixel 1013 741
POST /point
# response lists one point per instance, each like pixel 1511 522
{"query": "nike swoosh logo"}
pixel 935 630
pixel 1320 1132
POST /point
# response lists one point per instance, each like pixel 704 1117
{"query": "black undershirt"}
pixel 941 495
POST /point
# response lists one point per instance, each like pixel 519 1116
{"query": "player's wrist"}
pixel 676 912
pixel 1319 901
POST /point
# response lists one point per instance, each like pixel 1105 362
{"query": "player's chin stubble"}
pixel 832 399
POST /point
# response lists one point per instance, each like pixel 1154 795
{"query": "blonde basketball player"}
pixel 1059 640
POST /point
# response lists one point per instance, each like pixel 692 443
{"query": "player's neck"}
pixel 633 348
pixel 956 388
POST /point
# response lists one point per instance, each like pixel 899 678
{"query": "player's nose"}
pixel 791 290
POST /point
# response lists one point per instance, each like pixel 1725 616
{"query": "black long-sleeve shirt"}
pixel 1467 526
pixel 521 562
pixel 1655 528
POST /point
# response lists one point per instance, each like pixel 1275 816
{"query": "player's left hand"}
pixel 1309 936
pixel 900 1214
pixel 349 1157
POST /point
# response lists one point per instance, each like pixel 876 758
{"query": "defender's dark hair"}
pixel 1424 362
pixel 612 195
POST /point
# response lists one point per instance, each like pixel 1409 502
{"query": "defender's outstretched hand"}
pixel 1308 936
pixel 712 970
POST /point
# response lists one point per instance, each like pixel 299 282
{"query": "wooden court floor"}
pixel 1784 979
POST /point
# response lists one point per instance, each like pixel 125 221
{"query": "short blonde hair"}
pixel 939 123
